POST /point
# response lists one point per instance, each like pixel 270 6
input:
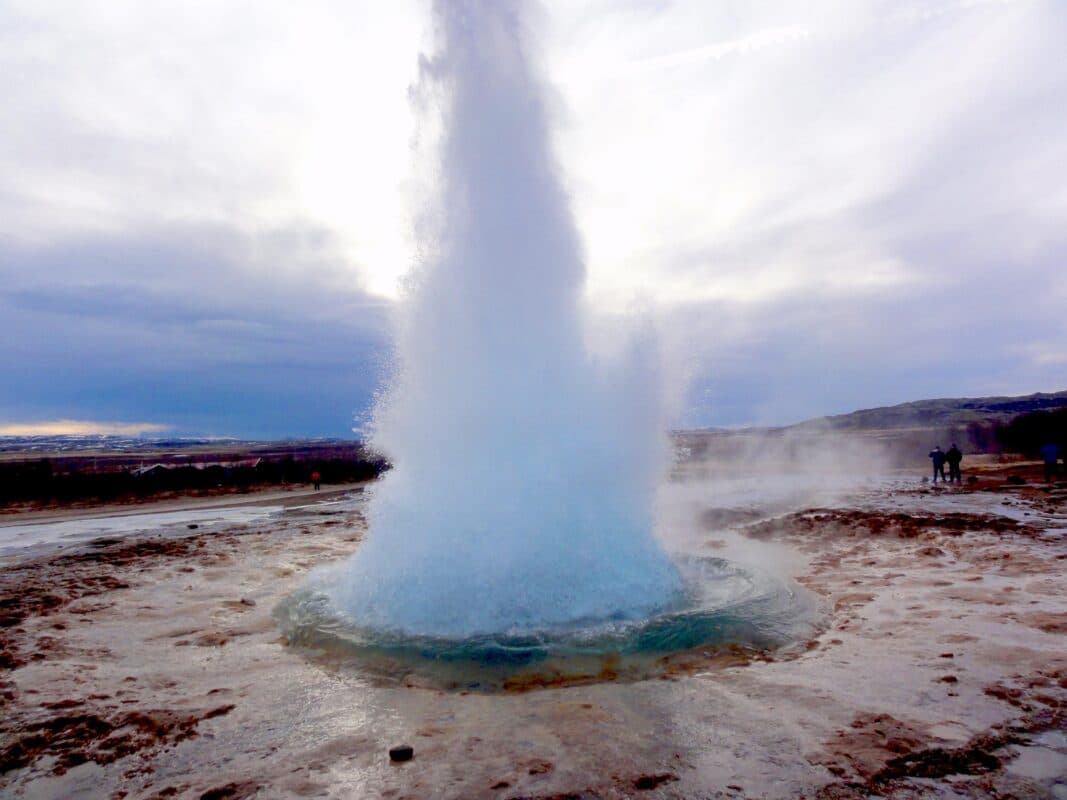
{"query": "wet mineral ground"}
pixel 149 663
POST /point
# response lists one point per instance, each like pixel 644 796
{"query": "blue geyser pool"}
pixel 720 606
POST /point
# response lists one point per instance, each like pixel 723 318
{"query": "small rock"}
pixel 646 782
pixel 192 526
pixel 247 602
pixel 402 752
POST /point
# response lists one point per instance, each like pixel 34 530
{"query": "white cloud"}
pixel 799 135
pixel 252 115
pixel 825 187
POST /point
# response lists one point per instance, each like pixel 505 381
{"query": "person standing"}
pixel 954 457
pixel 938 457
pixel 1050 454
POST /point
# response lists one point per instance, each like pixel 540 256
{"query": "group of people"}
pixel 952 457
pixel 1050 454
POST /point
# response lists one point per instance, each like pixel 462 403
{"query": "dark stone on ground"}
pixel 403 752
pixel 646 782
pixel 231 791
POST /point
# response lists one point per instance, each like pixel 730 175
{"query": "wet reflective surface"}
pixel 935 634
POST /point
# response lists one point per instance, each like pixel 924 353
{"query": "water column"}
pixel 524 468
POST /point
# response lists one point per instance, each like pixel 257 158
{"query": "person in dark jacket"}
pixel 1050 453
pixel 954 457
pixel 938 457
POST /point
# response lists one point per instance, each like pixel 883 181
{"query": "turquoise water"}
pixel 722 606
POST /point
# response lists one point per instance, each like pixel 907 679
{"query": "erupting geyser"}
pixel 524 469
pixel 516 526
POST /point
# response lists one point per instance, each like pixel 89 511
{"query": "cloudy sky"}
pixel 205 208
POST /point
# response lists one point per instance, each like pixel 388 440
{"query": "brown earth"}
pixel 151 667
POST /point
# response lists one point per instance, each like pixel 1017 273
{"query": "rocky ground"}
pixel 150 666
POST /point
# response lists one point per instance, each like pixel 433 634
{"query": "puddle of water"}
pixel 14 538
pixel 35 538
pixel 1040 763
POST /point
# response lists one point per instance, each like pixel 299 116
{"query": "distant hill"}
pixel 904 433
pixel 943 413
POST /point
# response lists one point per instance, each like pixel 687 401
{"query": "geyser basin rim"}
pixel 723 605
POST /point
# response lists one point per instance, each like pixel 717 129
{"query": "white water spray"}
pixel 524 470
